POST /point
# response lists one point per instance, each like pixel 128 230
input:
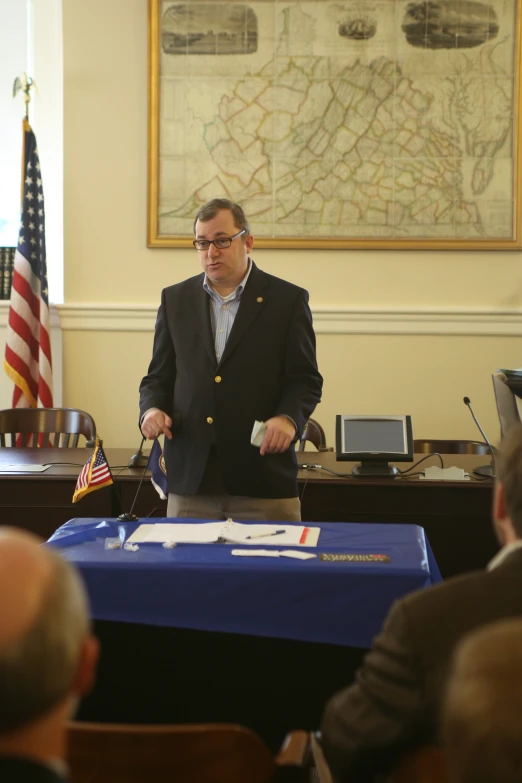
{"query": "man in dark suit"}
pixel 47 657
pixel 394 701
pixel 232 346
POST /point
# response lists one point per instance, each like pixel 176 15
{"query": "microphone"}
pixel 139 459
pixel 484 470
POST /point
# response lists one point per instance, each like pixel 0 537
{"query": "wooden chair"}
pixel 449 447
pixel 198 753
pixel 62 427
pixel 314 433
pixel 423 765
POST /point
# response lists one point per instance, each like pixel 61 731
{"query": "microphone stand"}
pixel 489 471
pixel 128 516
pixel 142 460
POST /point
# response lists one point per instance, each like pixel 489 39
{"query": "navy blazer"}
pixel 268 368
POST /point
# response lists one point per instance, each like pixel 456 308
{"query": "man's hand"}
pixel 154 423
pixel 279 434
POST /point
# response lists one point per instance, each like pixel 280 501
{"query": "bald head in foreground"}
pixel 47 656
pixel 482 709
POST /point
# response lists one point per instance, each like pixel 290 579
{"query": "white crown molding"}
pixel 113 317
pixel 418 321
pixel 110 317
pixel 4 313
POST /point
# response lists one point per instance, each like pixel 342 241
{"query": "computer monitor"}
pixel 374 440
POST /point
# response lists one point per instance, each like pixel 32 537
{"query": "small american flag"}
pixel 95 474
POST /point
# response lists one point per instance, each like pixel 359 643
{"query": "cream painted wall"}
pixel 107 261
pixel 426 376
pixel 102 374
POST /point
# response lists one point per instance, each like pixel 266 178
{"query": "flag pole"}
pixel 25 85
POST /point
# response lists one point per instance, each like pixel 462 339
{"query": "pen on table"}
pixel 265 535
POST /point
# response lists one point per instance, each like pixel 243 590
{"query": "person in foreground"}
pixel 394 701
pixel 232 346
pixel 47 657
pixel 481 721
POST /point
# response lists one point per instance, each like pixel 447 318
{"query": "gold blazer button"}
pixel 210 420
pixel 218 379
pixel 259 299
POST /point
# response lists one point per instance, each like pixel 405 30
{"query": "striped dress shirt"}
pixel 223 311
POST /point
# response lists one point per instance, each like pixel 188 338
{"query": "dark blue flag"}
pixel 158 470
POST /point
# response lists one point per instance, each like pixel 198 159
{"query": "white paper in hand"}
pixel 258 433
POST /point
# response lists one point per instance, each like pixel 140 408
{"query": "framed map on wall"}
pixel 338 123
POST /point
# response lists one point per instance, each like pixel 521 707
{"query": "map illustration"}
pixel 340 119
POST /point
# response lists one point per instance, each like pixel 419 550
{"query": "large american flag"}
pixel 28 347
pixel 95 474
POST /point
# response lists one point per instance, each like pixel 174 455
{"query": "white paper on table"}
pixel 238 533
pixel 229 531
pixel 273 553
pixel 297 555
pixel 206 533
pixel 23 468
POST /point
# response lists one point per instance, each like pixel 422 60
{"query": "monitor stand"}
pixel 373 469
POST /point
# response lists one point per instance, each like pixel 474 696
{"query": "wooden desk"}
pixel 456 515
pixel 41 502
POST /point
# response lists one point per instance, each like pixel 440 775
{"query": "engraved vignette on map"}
pixel 446 25
pixel 384 119
pixel 209 28
pixel 360 28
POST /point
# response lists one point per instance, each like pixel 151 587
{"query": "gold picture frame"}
pixel 237 108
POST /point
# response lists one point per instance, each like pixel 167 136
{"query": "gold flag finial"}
pixel 24 84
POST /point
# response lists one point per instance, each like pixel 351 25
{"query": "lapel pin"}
pixel 259 299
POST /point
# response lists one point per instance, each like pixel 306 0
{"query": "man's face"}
pixel 225 268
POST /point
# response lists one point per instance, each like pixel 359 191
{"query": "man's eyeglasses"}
pixel 221 242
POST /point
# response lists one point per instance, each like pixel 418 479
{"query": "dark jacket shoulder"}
pixel 14 769
pixel 278 283
pixel 466 587
pixel 436 618
pixel 185 286
pixel 257 277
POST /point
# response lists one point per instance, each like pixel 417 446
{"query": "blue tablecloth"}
pixel 205 587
